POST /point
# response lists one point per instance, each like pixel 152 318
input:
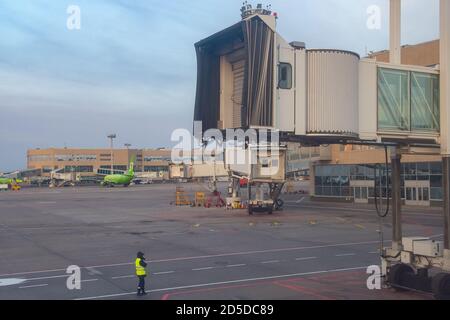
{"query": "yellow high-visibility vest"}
pixel 140 270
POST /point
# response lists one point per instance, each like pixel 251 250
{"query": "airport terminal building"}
pixel 346 173
pixel 152 163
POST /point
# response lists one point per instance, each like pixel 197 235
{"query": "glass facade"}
pixel 408 101
pixel 40 157
pixel 78 169
pixel 116 167
pixel 299 158
pixel 156 169
pixel 75 157
pixel 334 180
pixel 157 158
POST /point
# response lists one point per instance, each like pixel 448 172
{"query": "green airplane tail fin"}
pixel 131 167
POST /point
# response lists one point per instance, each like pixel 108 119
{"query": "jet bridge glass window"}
pixel 393 100
pixel 408 101
pixel 424 102
pixel 285 76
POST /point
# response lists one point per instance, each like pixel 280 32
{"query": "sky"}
pixel 131 67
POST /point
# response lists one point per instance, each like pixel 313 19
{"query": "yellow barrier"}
pixel 200 199
pixel 181 199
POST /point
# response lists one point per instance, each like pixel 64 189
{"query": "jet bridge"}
pixel 249 77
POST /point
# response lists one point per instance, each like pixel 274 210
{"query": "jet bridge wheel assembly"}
pixel 399 276
pixel 440 285
pixel 251 210
pixel 402 277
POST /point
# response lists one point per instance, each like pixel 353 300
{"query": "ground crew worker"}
pixel 141 273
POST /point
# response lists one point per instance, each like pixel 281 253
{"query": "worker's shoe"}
pixel 139 293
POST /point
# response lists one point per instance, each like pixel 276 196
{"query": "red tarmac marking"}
pixel 283 283
pixel 168 295
pixel 301 289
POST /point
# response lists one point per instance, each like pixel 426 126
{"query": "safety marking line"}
pixel 271 261
pixel 225 282
pixel 121 277
pixel 306 258
pixel 89 280
pixel 210 256
pixel 34 286
pixel 300 201
pixel 201 269
pixel 10 282
pixel 236 265
pixel 50 277
pixel 163 272
pixel 93 271
pixel 345 254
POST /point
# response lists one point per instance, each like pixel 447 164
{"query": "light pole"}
pixel 112 137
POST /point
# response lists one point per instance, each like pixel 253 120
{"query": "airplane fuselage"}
pixel 6 181
pixel 118 179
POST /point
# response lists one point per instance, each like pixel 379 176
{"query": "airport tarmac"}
pixel 310 250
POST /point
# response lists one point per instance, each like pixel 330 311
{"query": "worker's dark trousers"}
pixel 141 285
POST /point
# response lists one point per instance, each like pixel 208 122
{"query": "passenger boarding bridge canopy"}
pixel 250 77
pixel 246 51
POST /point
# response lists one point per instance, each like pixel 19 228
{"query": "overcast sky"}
pixel 131 68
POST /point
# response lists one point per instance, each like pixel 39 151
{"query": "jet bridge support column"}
pixel 445 117
pixel 446 185
pixel 396 200
pixel 395 31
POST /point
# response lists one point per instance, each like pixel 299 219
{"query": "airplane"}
pixel 9 181
pixel 125 179
pixel 12 183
